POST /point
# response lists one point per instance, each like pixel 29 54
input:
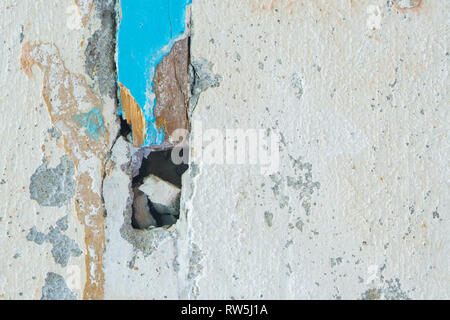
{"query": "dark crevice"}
pixel 125 128
pixel 159 163
pixel 148 210
pixel 147 214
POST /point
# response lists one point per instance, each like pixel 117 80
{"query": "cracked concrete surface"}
pixel 357 94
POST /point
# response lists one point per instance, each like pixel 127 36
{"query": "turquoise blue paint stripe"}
pixel 92 121
pixel 146 33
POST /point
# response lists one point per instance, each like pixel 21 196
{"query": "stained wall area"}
pixel 58 81
pixel 339 190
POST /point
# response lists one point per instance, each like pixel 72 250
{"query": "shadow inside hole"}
pixel 159 164
pixel 125 128
pixel 158 219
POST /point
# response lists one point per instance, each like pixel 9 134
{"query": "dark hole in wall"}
pixel 125 128
pixel 145 214
pixel 158 164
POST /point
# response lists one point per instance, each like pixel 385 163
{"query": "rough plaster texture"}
pixel 362 114
pixel 53 145
pixel 355 91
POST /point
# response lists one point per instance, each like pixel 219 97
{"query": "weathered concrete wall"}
pixel 352 202
pixel 59 106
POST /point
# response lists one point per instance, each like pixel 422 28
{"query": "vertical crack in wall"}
pixel 158 176
pixel 156 181
pixel 152 71
pixel 67 95
pixel 156 185
pixel 78 114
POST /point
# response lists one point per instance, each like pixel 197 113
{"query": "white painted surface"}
pixel 373 124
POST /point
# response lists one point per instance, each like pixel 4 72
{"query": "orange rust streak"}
pixel 415 4
pixel 84 19
pixel 120 9
pixel 25 60
pixel 94 238
pixel 133 114
pixel 88 204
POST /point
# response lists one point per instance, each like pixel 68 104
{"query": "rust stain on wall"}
pixel 171 85
pixel 68 98
pixel 407 4
pixel 85 7
pixel 278 5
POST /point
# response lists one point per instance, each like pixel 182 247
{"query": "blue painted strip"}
pixel 147 32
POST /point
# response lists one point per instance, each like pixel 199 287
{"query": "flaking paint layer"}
pixel 147 32
pixel 73 105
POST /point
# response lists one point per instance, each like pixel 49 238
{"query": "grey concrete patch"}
pixel 194 170
pixel 100 62
pixel 302 183
pixel 145 241
pixel 371 294
pixel 391 290
pixel 299 225
pixel 268 217
pixel 63 246
pixel 53 187
pixel 53 132
pixel 296 83
pixel 55 288
pixel 195 266
pixel 62 224
pixel 201 78
pixel 195 269
pixel 36 236
pixel 335 261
